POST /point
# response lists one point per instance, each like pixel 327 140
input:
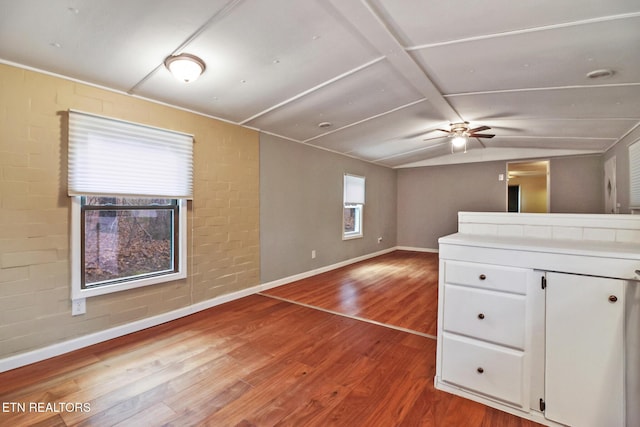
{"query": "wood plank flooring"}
pixel 257 361
pixel 398 289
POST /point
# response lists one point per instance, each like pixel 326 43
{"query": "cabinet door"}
pixel 584 376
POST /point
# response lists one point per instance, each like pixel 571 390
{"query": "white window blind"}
pixel 634 175
pixel 114 158
pixel 353 189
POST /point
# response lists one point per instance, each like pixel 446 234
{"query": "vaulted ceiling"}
pixel 384 73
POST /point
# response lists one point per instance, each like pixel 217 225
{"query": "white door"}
pixel 584 372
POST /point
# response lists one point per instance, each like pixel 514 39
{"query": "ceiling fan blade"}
pixel 479 129
pixel 442 130
pixel 481 135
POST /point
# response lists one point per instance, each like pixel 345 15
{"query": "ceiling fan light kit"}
pixel 458 140
pixel 457 143
pixel 185 67
pixel 460 134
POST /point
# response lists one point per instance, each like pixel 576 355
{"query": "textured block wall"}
pixel 223 219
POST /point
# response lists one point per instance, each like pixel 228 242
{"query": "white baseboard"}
pixel 53 350
pixel 410 248
pixel 304 275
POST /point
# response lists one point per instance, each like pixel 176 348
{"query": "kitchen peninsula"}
pixel 539 315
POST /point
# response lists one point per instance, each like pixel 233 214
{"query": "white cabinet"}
pixel 484 339
pixel 584 361
pixel 562 351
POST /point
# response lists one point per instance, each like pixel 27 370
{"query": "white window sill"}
pixel 351 237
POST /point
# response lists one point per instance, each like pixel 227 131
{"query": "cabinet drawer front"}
pixel 487 276
pixel 492 316
pixel 490 370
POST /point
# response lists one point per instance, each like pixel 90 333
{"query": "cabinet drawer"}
pixel 490 370
pixel 492 316
pixel 486 276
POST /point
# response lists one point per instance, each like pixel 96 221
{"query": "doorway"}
pixel 513 198
pixel 528 186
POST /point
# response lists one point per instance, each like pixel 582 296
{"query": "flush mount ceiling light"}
pixel 600 74
pixel 185 67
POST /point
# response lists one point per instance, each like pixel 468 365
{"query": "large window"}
pixel 127 239
pixel 129 185
pixel 353 199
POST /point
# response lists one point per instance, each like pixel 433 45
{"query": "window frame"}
pixel 353 196
pixel 358 232
pixel 78 290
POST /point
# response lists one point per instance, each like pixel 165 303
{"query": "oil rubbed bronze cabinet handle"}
pixel 480 370
pixel 482 277
pixel 481 316
pixel 613 298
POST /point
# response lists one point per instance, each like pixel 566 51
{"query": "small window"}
pixel 353 199
pixel 352 221
pixel 128 239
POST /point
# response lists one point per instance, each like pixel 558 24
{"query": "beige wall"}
pixel 223 219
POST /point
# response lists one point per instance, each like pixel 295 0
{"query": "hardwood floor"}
pixel 257 361
pixel 397 289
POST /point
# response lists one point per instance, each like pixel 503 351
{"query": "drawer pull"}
pixel 482 277
pixel 613 298
pixel 480 370
pixel 638 272
pixel 481 316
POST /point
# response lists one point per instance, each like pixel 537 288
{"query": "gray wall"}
pixel 429 199
pixel 301 201
pixel 577 184
pixel 301 208
pixel 621 151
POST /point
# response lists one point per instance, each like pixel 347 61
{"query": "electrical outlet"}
pixel 313 254
pixel 78 306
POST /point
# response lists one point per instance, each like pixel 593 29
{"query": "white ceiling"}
pixel 384 73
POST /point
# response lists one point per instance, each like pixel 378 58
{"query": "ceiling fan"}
pixel 460 134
